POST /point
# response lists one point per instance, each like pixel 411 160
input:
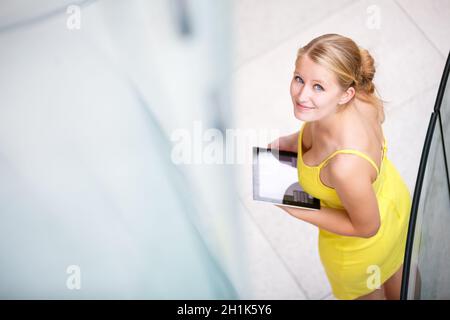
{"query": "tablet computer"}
pixel 275 179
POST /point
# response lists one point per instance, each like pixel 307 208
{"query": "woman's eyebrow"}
pixel 312 80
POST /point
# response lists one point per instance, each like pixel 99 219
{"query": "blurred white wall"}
pixel 86 176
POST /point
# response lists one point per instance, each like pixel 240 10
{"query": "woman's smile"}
pixel 303 107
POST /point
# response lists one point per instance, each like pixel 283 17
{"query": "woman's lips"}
pixel 302 107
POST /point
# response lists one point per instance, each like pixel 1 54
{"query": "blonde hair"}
pixel 352 65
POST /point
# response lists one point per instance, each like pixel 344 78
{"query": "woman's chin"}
pixel 302 116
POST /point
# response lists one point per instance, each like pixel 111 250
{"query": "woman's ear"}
pixel 347 95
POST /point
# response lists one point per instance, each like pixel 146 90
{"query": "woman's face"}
pixel 317 90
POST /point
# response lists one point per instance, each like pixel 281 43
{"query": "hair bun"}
pixel 367 71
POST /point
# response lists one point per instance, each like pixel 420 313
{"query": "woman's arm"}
pixel 350 176
pixel 287 143
pixel 332 220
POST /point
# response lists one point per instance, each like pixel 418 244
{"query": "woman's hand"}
pixel 286 143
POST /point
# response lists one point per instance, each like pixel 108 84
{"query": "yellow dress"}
pixel 355 266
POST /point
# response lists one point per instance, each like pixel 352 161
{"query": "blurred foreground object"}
pixel 91 204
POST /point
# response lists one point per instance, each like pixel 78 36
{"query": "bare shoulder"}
pixel 359 133
pixel 361 129
pixel 348 168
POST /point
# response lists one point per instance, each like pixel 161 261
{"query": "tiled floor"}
pixel 410 47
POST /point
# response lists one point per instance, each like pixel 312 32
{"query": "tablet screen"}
pixel 275 179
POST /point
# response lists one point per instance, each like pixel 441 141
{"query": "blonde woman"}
pixel 342 160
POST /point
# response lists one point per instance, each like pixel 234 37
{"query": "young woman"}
pixel 342 161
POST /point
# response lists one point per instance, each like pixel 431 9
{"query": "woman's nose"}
pixel 303 94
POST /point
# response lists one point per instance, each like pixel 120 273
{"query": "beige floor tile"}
pixel 268 276
pixel 296 242
pixel 405 129
pixel 432 18
pixel 260 26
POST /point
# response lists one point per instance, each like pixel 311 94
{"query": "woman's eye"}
pixel 319 86
pixel 298 79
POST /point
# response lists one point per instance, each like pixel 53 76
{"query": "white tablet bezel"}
pixel 255 178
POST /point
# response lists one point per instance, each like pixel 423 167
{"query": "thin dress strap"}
pixel 352 151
